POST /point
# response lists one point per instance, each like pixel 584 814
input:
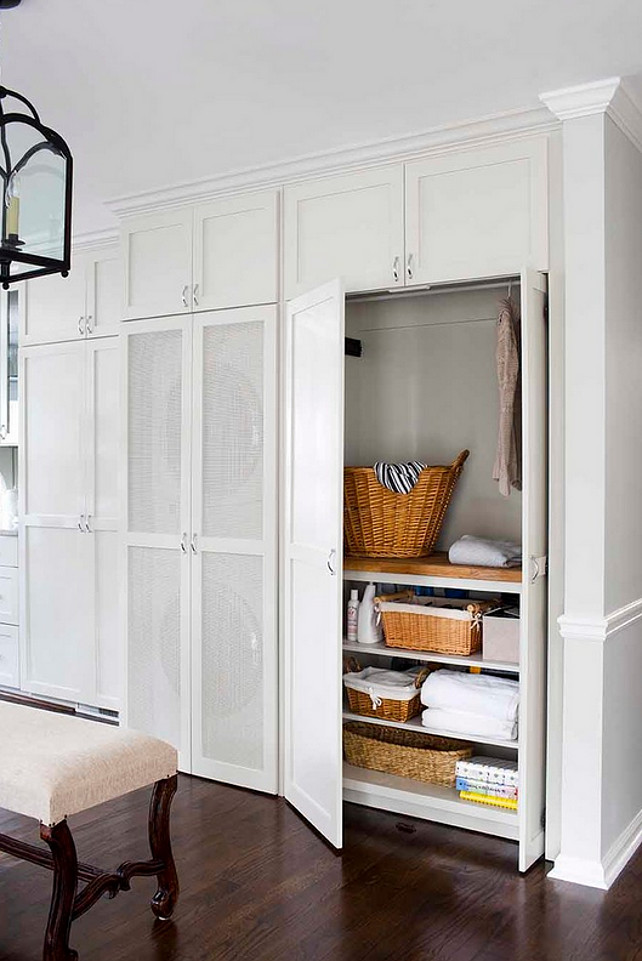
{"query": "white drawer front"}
pixel 8 595
pixel 8 551
pixel 9 661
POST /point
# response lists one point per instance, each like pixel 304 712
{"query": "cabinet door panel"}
pixel 234 656
pixel 158 264
pixel 235 254
pixel 349 226
pixel 52 432
pixel 104 294
pixel 534 601
pixel 53 308
pixel 109 673
pixel 156 513
pixel 9 656
pixel 104 434
pixel 55 621
pixel 313 557
pixel 477 213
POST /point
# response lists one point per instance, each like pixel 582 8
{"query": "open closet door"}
pixel 534 596
pixel 313 545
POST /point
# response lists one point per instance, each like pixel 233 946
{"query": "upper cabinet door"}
pixel 477 213
pixel 313 542
pixel 349 226
pixel 53 308
pixel 236 252
pixel 158 264
pixel 104 278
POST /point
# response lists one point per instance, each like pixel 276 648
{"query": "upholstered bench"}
pixel 56 765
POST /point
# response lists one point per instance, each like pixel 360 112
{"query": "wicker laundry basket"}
pixel 424 757
pixel 381 523
pixel 389 708
pixel 437 624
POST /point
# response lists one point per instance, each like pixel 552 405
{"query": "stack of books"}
pixel 488 780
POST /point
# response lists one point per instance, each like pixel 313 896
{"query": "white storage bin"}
pixel 501 632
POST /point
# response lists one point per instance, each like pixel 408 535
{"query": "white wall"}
pixel 425 389
pixel 622 721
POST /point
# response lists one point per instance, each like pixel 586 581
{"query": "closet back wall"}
pixel 426 388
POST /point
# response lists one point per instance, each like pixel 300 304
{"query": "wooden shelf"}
pixel 382 650
pixel 414 724
pixel 432 801
pixel 433 571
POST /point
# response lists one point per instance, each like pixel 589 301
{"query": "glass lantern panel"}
pixel 34 219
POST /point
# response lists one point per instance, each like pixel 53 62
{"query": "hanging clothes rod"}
pixel 401 293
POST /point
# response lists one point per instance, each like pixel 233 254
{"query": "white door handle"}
pixel 331 562
pixel 184 295
pixel 81 326
pixel 395 269
pixel 195 295
pixel 193 544
pixel 184 542
pixel 89 327
pixel 81 524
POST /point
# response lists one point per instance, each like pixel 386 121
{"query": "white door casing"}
pixel 313 546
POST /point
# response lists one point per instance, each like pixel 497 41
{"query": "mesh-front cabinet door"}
pixel 156 406
pixel 233 548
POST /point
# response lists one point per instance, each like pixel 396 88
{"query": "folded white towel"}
pixel 468 725
pixel 495 697
pixel 483 552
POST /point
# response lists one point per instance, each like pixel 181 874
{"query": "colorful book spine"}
pixel 509 804
pixel 482 787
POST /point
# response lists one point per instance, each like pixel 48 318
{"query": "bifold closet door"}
pixel 156 409
pixel 55 561
pixel 233 548
pixel 313 547
pixel 532 732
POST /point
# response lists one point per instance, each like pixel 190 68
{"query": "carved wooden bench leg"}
pixel 65 882
pixel 164 901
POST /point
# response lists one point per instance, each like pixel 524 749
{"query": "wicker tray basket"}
pixel 420 624
pixel 360 702
pixel 381 523
pixel 404 753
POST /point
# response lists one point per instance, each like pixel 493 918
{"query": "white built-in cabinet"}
pixel 212 256
pixel 84 305
pixel 314 779
pixel 457 215
pixel 68 495
pixel 199 539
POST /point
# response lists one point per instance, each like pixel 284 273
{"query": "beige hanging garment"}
pixel 508 460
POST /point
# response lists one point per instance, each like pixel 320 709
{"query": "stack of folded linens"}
pixel 471 705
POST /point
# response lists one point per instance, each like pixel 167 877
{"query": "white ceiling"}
pixel 150 93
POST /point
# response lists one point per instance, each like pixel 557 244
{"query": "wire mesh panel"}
pixel 154 635
pixel 232 430
pixel 232 659
pixel 154 431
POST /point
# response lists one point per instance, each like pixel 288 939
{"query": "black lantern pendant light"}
pixel 36 170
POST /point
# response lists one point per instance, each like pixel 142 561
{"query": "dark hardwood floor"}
pixel 257 884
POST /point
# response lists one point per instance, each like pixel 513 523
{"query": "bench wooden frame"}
pixel 67 903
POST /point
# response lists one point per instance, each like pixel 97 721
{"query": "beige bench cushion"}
pixel 54 765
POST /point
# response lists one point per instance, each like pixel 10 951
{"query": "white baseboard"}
pixel 601 874
pixel 623 849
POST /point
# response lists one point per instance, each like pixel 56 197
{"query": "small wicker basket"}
pixel 404 753
pixel 381 523
pixel 389 709
pixel 440 625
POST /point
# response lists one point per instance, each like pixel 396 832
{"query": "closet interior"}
pixel 420 383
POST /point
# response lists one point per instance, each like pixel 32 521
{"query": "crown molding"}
pixel 608 97
pixel 95 239
pixel 498 128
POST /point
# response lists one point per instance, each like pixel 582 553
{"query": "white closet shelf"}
pixel 433 571
pixel 418 799
pixel 382 650
pixel 414 724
